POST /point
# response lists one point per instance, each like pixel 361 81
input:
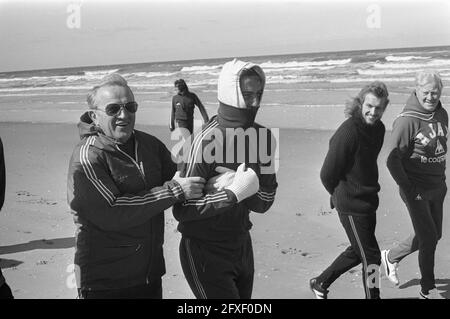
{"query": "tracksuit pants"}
pixel 187 124
pixel 5 290
pixel 152 290
pixel 218 270
pixel 363 249
pixel 426 217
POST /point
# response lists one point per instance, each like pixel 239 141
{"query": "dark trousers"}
pixel 5 290
pixel 187 124
pixel 363 249
pixel 218 271
pixel 426 217
pixel 153 290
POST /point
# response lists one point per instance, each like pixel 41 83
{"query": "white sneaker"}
pixel 390 269
pixel 432 294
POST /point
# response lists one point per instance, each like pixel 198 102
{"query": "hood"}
pixel 414 109
pixel 228 88
pixel 233 111
pixel 86 127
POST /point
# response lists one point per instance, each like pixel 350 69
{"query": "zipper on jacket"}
pixel 139 167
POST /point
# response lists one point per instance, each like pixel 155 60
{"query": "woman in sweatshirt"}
pixel 350 174
pixel 416 161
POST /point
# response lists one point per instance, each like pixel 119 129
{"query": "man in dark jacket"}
pixel 183 104
pixel 216 250
pixel 350 174
pixel 5 291
pixel 416 161
pixel 120 181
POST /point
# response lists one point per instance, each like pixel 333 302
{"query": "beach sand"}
pixel 294 241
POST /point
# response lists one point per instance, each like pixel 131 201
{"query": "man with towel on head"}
pixel 216 249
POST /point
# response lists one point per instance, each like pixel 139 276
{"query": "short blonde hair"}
pixel 425 76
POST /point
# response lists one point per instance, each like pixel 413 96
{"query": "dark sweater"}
pixel 350 172
pixel 217 217
pixel 418 147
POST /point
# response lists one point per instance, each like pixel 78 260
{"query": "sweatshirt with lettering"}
pixel 418 147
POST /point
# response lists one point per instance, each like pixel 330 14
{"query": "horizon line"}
pixel 216 58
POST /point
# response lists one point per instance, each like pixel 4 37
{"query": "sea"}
pixel 294 82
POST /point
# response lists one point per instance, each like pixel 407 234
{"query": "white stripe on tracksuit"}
pixel 196 145
pixel 198 284
pixel 210 198
pixel 363 255
pixel 106 192
pixel 268 197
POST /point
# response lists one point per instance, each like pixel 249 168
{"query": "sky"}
pixel 38 34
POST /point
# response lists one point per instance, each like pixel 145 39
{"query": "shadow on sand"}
pixel 442 285
pixel 57 243
pixel 9 263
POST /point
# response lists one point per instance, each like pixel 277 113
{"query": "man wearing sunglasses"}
pixel 120 182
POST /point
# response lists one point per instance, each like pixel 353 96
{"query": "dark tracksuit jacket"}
pixel 118 204
pixel 350 174
pixel 218 217
pixel 416 161
pixel 215 250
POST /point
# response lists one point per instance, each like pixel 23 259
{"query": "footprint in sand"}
pixel 290 251
pixel 24 193
pixel 41 201
pixel 324 212
pixel 24 231
pixel 294 251
pixel 310 255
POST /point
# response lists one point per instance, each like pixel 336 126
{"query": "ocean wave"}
pixel 296 64
pixel 35 80
pixel 200 68
pixel 394 58
pixel 301 79
pixel 47 88
pixel 429 64
pixel 306 68
pixel 94 75
pixel 148 74
pixel 384 71
pixel 206 72
pixel 387 79
pixel 368 58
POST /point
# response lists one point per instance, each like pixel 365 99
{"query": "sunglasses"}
pixel 113 109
